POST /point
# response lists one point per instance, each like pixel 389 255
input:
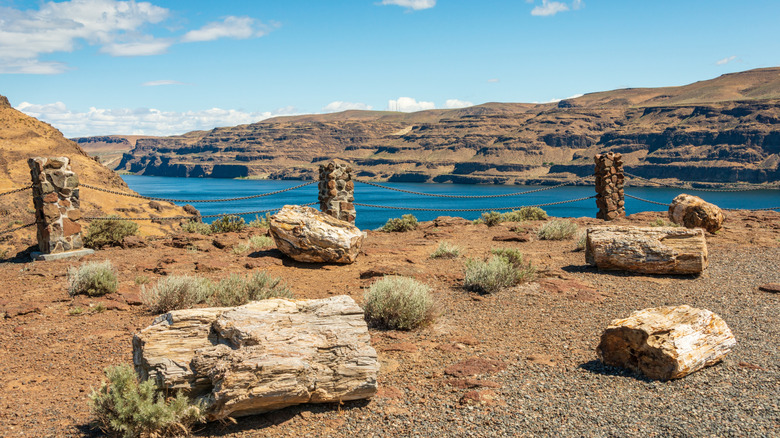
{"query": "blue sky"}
pixel 158 67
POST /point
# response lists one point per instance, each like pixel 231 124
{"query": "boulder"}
pixel 649 250
pixel 308 235
pixel 261 356
pixel 666 342
pixel 693 212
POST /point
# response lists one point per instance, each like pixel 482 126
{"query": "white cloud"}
pixel 231 27
pixel 338 106
pixel 411 4
pixel 456 103
pixel 146 47
pixel 493 80
pixel 141 121
pixel 161 82
pixel 408 105
pixel 549 7
pixel 574 96
pixel 115 26
pixel 726 60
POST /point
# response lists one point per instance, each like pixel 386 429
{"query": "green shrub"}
pixel 235 290
pixel 525 214
pixel 196 227
pixel 398 303
pixel 446 250
pixel 260 242
pixel 106 232
pixel 490 276
pixel 125 408
pixel 227 224
pixel 663 223
pixel 92 278
pixel 558 229
pixel 525 271
pixel 407 222
pixel 491 219
pixel 176 292
pixel 76 311
pixel 260 223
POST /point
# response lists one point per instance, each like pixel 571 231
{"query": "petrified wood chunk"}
pixel 650 250
pixel 666 342
pixel 693 212
pixel 308 235
pixel 261 356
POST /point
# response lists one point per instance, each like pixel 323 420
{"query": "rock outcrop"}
pixel 649 250
pixel 666 342
pixel 693 212
pixel 705 132
pixel 308 235
pixel 261 356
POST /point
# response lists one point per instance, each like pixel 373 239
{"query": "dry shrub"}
pixel 105 232
pixel 407 222
pixel 558 229
pixel 446 250
pixel 398 303
pixel 93 279
pixel 176 292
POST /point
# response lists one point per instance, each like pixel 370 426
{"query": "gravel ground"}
pixel 541 337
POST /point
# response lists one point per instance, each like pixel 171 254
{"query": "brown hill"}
pixel 22 137
pixel 720 130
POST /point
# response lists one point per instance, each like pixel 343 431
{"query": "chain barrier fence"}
pixel 192 201
pixel 439 195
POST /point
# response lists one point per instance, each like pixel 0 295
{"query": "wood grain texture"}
pixel 649 250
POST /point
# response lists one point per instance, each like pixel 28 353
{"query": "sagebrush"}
pixel 558 229
pixel 196 227
pixel 398 303
pixel 491 219
pixel 490 276
pixel 125 408
pixel 227 224
pixel 446 250
pixel 93 279
pixel 407 222
pixel 176 292
pixel 258 222
pixel 663 223
pixel 235 290
pixel 105 232
pixel 525 214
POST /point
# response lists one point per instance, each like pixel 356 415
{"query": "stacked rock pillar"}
pixel 609 186
pixel 337 191
pixel 56 199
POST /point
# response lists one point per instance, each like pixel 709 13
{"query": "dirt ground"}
pixel 51 355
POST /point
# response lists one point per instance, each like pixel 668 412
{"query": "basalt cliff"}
pixel 717 131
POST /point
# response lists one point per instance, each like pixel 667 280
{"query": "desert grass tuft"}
pixel 176 292
pixel 401 303
pixel 235 290
pixel 558 229
pixel 93 279
pixel 446 250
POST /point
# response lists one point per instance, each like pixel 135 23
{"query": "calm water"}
pixel 370 218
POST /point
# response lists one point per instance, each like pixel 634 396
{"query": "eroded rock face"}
pixel 650 250
pixel 262 356
pixel 666 342
pixel 308 235
pixel 693 212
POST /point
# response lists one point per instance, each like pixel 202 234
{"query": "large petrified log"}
pixel 666 342
pixel 693 212
pixel 650 250
pixel 262 356
pixel 308 235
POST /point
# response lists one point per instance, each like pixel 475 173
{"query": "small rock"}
pixel 133 242
pixel 512 237
pixel 475 366
pixel 694 212
pixel 448 221
pixel 156 205
pixel 480 398
pixel 770 287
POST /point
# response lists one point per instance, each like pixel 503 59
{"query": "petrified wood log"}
pixel 650 250
pixel 693 212
pixel 666 342
pixel 308 235
pixel 262 356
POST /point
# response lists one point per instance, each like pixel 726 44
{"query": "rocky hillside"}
pixel 721 130
pixel 22 137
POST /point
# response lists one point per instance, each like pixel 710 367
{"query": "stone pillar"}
pixel 56 199
pixel 337 191
pixel 609 186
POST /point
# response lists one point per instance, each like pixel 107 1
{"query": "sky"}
pixel 163 67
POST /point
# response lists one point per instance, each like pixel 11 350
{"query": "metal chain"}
pixel 16 190
pixel 17 228
pixel 469 196
pixel 752 209
pixel 473 209
pixel 745 189
pixel 646 200
pixel 132 195
pixel 175 218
